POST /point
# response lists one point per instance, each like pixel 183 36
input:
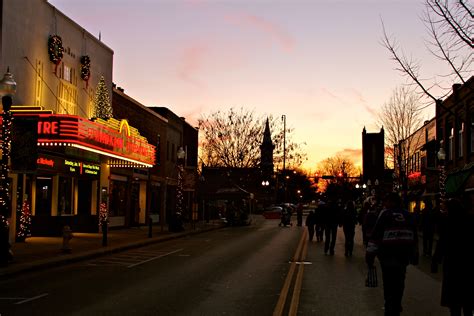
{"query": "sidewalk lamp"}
pixel 442 175
pixel 7 90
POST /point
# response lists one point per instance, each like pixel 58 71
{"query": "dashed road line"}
pixel 145 261
pixel 131 259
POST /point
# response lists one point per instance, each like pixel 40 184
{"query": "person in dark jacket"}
pixel 332 219
pixel 428 224
pixel 319 220
pixel 371 214
pixel 455 250
pixel 299 214
pixel 349 221
pixel 394 241
pixel 310 222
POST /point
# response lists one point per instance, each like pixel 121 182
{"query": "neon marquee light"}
pixel 62 165
pixel 109 137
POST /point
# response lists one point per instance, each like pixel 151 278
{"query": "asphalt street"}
pixel 262 269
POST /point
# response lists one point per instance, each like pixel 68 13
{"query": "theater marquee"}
pixel 111 137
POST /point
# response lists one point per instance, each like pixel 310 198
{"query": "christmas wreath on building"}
pixel 55 49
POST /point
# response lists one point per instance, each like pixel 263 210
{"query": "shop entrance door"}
pixel 84 197
pixel 44 187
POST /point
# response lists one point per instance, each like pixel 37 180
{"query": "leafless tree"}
pixel 450 27
pixel 400 117
pixel 336 166
pixel 232 138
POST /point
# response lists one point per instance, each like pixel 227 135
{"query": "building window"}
pixel 451 144
pixel 67 73
pixel 118 198
pixel 67 98
pixel 460 139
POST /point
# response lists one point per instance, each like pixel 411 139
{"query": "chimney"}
pixel 456 87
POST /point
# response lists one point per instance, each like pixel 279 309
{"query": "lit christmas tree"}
pixel 103 108
pixel 25 222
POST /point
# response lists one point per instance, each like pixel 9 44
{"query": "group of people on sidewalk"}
pixel 390 234
pixel 325 220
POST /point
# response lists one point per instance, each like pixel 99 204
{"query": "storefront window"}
pixel 65 196
pixel 118 199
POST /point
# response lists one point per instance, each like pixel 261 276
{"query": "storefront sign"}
pixel 110 137
pixel 67 166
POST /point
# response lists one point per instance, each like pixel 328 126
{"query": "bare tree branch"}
pixel 233 139
pixel 400 117
pixel 450 27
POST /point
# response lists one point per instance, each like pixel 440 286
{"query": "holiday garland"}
pixel 85 68
pixel 55 49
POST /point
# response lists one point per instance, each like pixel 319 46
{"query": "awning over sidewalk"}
pixel 455 181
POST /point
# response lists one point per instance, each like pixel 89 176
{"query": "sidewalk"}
pixel 44 252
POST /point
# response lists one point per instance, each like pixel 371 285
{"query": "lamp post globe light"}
pixel 177 220
pixel 7 90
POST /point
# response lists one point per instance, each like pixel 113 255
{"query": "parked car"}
pixel 272 212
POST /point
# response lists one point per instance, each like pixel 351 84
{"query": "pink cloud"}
pixel 332 95
pixel 371 110
pixel 274 31
pixel 191 62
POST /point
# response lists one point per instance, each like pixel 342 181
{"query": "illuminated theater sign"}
pixel 76 167
pixel 110 137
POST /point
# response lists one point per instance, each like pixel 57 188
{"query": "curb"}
pixel 47 263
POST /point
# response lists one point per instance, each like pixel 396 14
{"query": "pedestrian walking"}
pixel 372 210
pixel 349 222
pixel 319 220
pixel 310 222
pixel 299 214
pixel 394 242
pixel 332 221
pixel 454 250
pixel 428 224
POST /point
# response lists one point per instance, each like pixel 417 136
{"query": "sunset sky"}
pixel 319 62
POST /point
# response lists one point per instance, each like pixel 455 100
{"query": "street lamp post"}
pixel 7 90
pixel 177 221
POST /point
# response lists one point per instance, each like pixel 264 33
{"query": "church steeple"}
pixel 266 150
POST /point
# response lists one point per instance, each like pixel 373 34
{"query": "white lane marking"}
pixel 31 299
pixel 160 256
